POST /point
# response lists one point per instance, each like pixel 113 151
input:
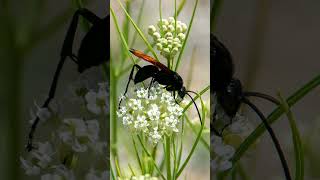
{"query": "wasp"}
pixel 230 94
pixel 161 74
pixel 94 50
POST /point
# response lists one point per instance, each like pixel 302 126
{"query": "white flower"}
pixel 51 177
pixel 97 102
pixel 29 168
pixel 43 154
pixel 153 112
pixel 222 154
pixel 42 113
pixel 79 133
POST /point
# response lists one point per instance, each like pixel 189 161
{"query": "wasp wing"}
pixel 149 59
pixel 222 68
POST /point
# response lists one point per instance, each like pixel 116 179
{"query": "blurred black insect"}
pixel 229 94
pixel 94 50
pixel 160 73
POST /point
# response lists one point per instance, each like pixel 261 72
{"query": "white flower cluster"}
pixel 170 37
pixel 151 111
pixel 97 102
pixel 222 153
pixel 142 177
pixel 72 139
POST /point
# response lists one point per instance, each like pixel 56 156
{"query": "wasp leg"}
pixel 151 83
pixel 65 52
pixel 129 80
pixel 216 132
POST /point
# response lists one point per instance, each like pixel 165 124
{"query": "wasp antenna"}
pixel 261 95
pixel 273 137
pixel 194 104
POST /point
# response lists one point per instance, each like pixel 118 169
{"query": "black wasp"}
pixel 160 73
pixel 94 50
pixel 229 93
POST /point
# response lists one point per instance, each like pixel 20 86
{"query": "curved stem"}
pixel 273 137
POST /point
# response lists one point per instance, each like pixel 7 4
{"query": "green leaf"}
pixel 124 42
pixel 139 31
pixel 196 141
pixel 187 36
pixel 298 149
pixel 299 94
pixel 214 13
pixel 150 156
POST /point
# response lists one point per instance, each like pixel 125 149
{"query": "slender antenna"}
pixel 261 95
pixel 52 91
pixel 195 103
pixel 273 137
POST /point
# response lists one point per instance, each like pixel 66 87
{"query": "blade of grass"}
pixel 117 167
pixel 134 38
pixel 191 68
pixel 181 6
pixel 174 156
pixel 138 157
pixel 112 173
pixel 216 6
pixel 168 157
pixel 196 141
pixel 132 172
pixel 160 15
pixel 194 130
pixel 187 36
pixel 121 34
pixel 298 149
pixel 139 31
pixel 147 152
pixel 292 100
pixel 154 153
pixel 196 97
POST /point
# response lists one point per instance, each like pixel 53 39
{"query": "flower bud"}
pixel 181 36
pixel 171 28
pixel 179 29
pixel 168 34
pixel 164 28
pixel 171 20
pixel 184 27
pixel 170 46
pixel 159 46
pixel 166 50
pixel 151 29
pixel 156 35
pixel 174 50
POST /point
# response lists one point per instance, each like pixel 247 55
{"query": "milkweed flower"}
pixel 71 137
pixel 153 112
pixel 170 37
pixel 222 154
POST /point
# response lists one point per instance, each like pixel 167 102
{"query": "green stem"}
pixel 187 36
pixel 153 161
pixel 195 143
pixel 217 4
pixel 292 100
pixel 168 158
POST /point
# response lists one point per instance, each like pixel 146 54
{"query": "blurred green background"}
pixel 31 36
